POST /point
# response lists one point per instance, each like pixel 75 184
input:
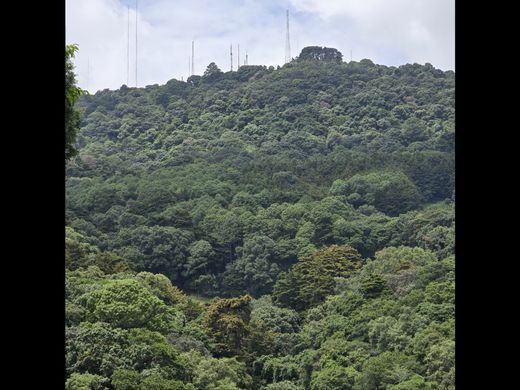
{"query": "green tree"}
pixel 388 368
pixel 124 379
pixel 320 54
pixel 392 192
pixel 96 348
pixel 160 286
pixel 85 382
pixel 333 377
pixel 213 374
pixel 283 385
pixel 72 93
pixel 416 382
pixel 128 304
pixel 212 72
pixel 227 321
pixel 110 263
pixel 255 270
pixel 200 258
pixel 312 278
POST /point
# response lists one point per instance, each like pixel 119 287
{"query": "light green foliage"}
pixel 157 382
pixel 334 377
pixel 388 368
pixel 440 364
pixel 110 263
pixel 128 304
pixel 336 350
pixel 416 382
pixel 214 374
pixel 85 382
pixel 162 288
pixel 277 369
pixel 124 379
pixel 385 334
pixel 283 385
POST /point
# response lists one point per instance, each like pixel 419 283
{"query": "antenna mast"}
pixel 136 43
pixel 238 61
pixel 88 72
pixel 231 54
pixel 287 42
pixel 246 59
pixel 128 48
pixel 192 58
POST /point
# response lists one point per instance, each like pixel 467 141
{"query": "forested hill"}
pixel 314 153
pixel 314 202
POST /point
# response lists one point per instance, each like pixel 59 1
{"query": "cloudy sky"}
pixel 389 32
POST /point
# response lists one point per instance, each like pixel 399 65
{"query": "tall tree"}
pixel 72 93
pixel 311 279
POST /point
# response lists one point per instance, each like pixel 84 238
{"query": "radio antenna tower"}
pixel 231 54
pixel 192 58
pixel 128 48
pixel 136 43
pixel 287 42
pixel 238 61
pixel 246 63
pixel 88 72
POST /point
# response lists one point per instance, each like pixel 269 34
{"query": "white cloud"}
pixel 388 32
pixel 385 31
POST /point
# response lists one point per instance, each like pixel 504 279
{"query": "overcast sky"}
pixel 389 32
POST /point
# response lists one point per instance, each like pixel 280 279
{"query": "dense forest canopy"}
pixel 288 228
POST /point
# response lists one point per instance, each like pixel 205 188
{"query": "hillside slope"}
pixel 279 161
pixel 309 209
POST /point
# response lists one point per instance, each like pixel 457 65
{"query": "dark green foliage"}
pixel 391 192
pixel 212 72
pixel 284 385
pixel 373 285
pixel 320 54
pixel 78 252
pixel 255 270
pixel 111 263
pixel 161 249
